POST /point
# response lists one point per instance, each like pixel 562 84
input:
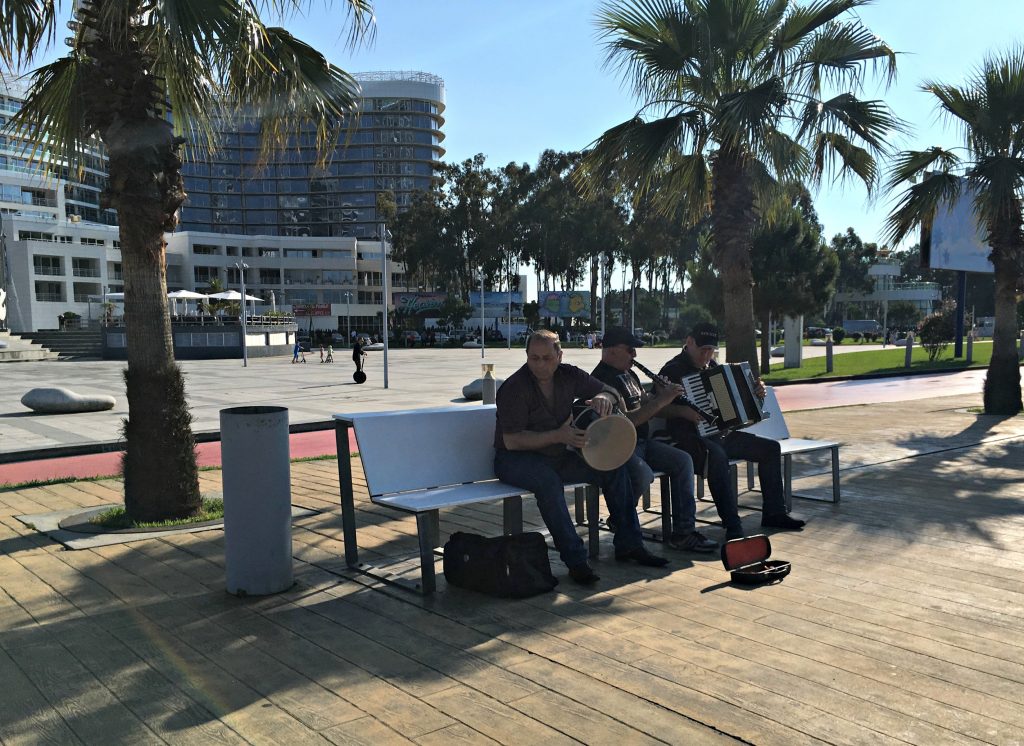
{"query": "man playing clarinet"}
pixel 711 455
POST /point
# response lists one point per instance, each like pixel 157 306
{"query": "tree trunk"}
pixel 766 343
pixel 732 218
pixel 1002 392
pixel 161 480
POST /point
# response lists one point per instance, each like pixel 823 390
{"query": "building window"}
pixel 81 267
pixel 92 241
pixel 270 277
pixel 50 292
pixel 366 296
pixel 205 275
pixel 47 265
pixel 204 249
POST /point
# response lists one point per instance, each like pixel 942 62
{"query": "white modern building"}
pixel 307 239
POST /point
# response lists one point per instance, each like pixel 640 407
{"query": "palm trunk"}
pixel 732 218
pixel 1002 392
pixel 161 479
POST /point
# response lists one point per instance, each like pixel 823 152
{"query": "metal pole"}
pixel 245 349
pixel 961 308
pixel 384 288
pixel 602 297
pixel 483 329
pixel 348 317
pixel 509 303
pixel 632 306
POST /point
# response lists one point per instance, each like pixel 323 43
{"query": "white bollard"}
pixel 257 500
pixel 487 384
pixel 910 350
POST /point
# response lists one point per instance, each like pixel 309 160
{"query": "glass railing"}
pixel 53 271
pixel 50 297
pixel 84 272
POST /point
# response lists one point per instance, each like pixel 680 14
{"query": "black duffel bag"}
pixel 515 566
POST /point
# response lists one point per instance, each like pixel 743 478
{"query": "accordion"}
pixel 727 392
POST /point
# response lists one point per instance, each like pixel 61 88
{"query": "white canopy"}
pixel 185 295
pixel 233 295
pixel 113 296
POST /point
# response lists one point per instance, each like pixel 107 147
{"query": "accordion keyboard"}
pixel 696 392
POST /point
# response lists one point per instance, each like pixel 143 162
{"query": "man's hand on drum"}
pixel 602 404
pixel 572 436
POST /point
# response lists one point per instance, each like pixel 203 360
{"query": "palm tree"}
pixel 989 109
pixel 747 92
pixel 132 65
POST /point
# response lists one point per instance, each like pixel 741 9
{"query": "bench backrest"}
pixel 774 426
pixel 423 448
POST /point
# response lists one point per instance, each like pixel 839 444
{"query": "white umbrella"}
pixel 114 296
pixel 233 295
pixel 273 302
pixel 185 295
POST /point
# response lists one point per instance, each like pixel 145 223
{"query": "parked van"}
pixel 862 326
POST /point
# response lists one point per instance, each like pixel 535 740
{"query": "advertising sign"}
pixel 418 304
pixel 564 304
pixel 496 303
pixel 955 240
pixel 313 309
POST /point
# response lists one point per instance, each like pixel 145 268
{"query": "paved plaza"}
pixel 900 623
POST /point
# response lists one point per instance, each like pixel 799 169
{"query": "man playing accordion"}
pixel 711 455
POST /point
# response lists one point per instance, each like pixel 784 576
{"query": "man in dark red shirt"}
pixel 531 439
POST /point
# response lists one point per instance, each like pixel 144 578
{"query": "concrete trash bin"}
pixel 257 500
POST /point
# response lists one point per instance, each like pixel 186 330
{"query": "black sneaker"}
pixel 692 541
pixel 641 556
pixel 783 521
pixel 583 574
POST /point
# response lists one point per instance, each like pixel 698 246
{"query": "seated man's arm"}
pixel 657 405
pixel 529 440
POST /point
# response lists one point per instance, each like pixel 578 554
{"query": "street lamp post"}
pixel 483 327
pixel 241 267
pixel 384 290
pixel 602 295
pixel 348 316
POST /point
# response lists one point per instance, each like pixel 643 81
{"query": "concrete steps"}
pixel 77 344
pixel 15 349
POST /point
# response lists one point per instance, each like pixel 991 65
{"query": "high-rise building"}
pixel 303 236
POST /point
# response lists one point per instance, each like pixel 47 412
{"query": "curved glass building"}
pixel 395 146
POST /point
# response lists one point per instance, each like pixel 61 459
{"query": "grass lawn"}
pixel 877 361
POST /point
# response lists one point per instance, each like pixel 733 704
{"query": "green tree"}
pixel 747 91
pixel 989 110
pixel 131 66
pixel 795 272
pixel 903 314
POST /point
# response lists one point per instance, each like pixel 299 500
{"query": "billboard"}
pixel 955 240
pixel 496 303
pixel 314 309
pixel 564 304
pixel 418 304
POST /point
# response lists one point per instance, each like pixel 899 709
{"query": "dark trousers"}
pixel 714 454
pixel 546 478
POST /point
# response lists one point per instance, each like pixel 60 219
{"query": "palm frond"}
pixel 805 19
pixel 912 164
pixel 684 188
pixel 836 52
pixel 998 184
pixel 360 20
pixel 788 159
pixel 27 27
pixel 852 160
pixel 52 117
pixel 748 115
pixel 917 205
pixel 869 121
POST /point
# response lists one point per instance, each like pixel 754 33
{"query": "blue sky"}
pixel 528 75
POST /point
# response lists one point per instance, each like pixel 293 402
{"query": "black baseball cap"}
pixel 705 334
pixel 620 335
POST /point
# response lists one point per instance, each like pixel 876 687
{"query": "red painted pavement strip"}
pixel 301 445
pixel 320 443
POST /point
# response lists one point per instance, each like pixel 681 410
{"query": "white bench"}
pixel 774 427
pixel 423 460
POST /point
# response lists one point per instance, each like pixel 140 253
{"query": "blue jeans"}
pixel 653 455
pixel 546 478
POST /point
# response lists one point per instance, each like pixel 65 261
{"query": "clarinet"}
pixel 682 399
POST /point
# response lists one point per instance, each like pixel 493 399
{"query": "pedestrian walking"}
pixel 297 354
pixel 321 353
pixel 330 354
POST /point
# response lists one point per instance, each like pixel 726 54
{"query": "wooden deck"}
pixel 900 623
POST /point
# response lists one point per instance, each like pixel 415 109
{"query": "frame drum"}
pixel 610 441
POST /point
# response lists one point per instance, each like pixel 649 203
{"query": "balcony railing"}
pixel 50 297
pixel 85 272
pixel 52 271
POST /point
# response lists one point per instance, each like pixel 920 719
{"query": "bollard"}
pixel 257 500
pixel 488 387
pixel 910 349
pixel 828 353
pixel 970 347
pixel 1020 354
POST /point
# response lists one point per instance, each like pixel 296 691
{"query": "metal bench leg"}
pixel 787 480
pixel 750 476
pixel 647 498
pixel 835 474
pixel 700 486
pixel 428 529
pixel 513 515
pixel 594 516
pixel 666 508
pixel 348 507
pixel 580 503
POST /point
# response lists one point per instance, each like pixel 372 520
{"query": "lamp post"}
pixel 602 296
pixel 384 290
pixel 348 316
pixel 483 327
pixel 241 267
